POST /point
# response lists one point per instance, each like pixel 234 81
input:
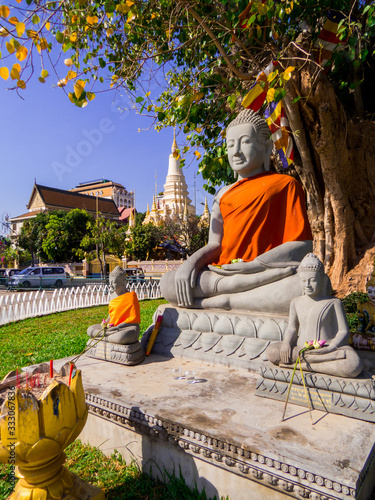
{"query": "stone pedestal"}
pixel 221 437
pixel 234 339
pixel 352 397
pixel 130 354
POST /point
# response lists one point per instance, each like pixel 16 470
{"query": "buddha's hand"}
pixel 185 279
pixel 285 353
pixel 238 268
pixel 320 351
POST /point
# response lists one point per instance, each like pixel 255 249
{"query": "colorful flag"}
pixel 328 39
pixel 280 132
pixel 258 92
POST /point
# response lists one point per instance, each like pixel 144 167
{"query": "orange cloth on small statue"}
pixel 261 213
pixel 124 309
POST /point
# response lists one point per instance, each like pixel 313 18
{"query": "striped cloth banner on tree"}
pixel 275 115
pixel 280 132
pixel 258 92
pixel 328 39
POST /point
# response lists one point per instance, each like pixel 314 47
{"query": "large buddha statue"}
pixel 260 222
pixel 316 316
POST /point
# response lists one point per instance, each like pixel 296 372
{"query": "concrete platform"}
pixel 223 437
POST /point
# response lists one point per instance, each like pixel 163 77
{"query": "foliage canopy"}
pixel 203 54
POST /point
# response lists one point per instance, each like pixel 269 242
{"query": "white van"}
pixel 39 277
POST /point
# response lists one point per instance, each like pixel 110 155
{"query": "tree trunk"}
pixel 337 171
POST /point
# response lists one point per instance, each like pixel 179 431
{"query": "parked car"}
pixel 39 277
pixel 5 274
pixel 135 275
pixel 12 272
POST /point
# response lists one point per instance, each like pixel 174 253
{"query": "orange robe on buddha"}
pixel 261 213
pixel 124 309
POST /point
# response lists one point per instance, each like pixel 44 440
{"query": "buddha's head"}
pixel 249 145
pixel 117 281
pixel 314 281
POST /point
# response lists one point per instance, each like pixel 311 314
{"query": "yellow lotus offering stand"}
pixel 40 416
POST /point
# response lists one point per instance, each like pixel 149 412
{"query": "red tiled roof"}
pixel 27 215
pixel 61 199
pixel 125 212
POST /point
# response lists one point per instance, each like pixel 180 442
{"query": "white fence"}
pixel 16 306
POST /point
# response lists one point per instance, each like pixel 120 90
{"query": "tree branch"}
pixel 236 71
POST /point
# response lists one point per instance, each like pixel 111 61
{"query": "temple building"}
pixel 174 203
pixel 46 199
pixel 103 188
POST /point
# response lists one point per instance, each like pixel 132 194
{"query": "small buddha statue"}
pixel 122 325
pixel 316 316
pixel 259 232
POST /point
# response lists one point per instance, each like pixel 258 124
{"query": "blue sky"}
pixel 44 136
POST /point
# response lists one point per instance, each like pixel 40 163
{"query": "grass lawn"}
pixel 37 340
pixel 56 336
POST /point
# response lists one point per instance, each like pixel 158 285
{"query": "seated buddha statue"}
pixel 260 222
pixel 124 312
pixel 316 315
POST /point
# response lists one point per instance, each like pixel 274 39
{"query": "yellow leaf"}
pixel 71 74
pixel 21 54
pixel 199 130
pixel 131 17
pixel 74 18
pixel 109 32
pixel 70 95
pixel 4 73
pixel 13 20
pixel 272 75
pixel 42 80
pixel 123 8
pixel 109 14
pixel 17 67
pixel 14 74
pixel 37 45
pixel 148 93
pixel 44 73
pixel 10 47
pixel 21 84
pixel 43 44
pixel 90 96
pixel 270 95
pixel 287 75
pixel 73 37
pixel 47 25
pixel 92 19
pixel 32 34
pixel 197 154
pixel 20 28
pixel 79 87
pixel 262 9
pixel 4 11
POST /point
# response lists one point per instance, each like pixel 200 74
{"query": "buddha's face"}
pixel 371 294
pixel 246 153
pixel 117 284
pixel 311 283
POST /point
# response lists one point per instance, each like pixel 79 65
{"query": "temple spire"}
pixel 174 143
